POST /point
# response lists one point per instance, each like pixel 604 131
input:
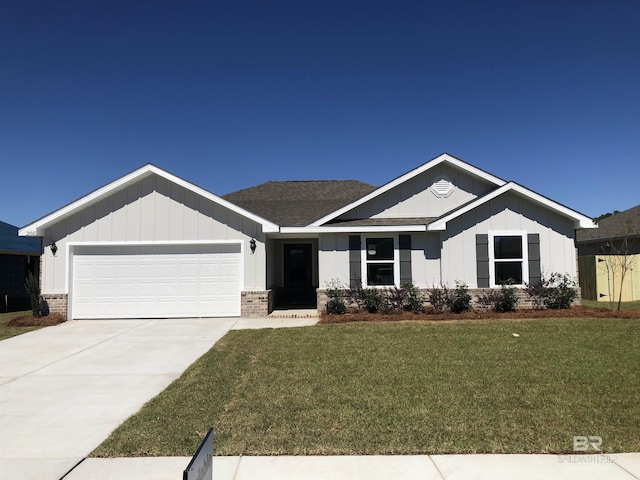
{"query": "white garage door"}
pixel 158 281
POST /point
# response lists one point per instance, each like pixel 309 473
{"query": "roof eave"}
pixel 407 176
pixel 354 229
pixel 581 221
pixel 37 228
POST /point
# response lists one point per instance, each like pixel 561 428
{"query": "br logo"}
pixel 582 443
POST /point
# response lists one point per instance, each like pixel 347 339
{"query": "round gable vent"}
pixel 442 188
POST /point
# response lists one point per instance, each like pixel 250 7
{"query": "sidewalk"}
pixel 619 466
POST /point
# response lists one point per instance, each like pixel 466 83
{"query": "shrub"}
pixel 562 292
pixel 556 292
pixel 457 300
pixel 414 300
pixel 506 299
pixel 336 304
pixel 488 298
pixel 32 285
pixel 460 299
pixel 372 300
pixel 439 298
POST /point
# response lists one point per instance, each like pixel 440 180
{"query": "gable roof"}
pixel 622 224
pixel 298 203
pixel 582 220
pixel 36 228
pixel 443 158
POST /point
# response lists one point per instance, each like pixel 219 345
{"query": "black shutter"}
pixel 482 260
pixel 533 247
pixel 355 261
pixel 404 243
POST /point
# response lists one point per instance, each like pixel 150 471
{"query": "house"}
pixel 151 244
pixel 603 252
pixel 18 257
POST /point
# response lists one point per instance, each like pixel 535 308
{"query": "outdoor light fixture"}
pixel 252 245
pixel 54 248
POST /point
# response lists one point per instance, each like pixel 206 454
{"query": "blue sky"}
pixel 231 94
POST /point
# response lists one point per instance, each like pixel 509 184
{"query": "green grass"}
pixel 401 388
pixel 635 305
pixel 6 331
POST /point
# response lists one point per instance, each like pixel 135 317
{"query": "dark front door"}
pixel 298 278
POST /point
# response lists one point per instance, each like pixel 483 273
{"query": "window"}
pixel 380 261
pixel 508 258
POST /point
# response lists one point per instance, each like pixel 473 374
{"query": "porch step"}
pixel 299 313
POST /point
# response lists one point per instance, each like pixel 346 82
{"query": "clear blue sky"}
pixel 231 94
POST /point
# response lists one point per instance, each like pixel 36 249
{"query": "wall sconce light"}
pixel 54 248
pixel 252 245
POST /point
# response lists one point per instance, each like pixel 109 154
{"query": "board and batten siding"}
pixel 153 210
pixel 507 212
pixel 333 258
pixel 415 198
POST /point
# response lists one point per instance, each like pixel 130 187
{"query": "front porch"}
pixel 292 273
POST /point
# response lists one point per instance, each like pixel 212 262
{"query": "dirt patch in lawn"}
pixel 431 314
pixel 30 321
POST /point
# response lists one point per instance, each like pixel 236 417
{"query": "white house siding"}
pixel 151 210
pixel 415 198
pixel 507 212
pixel 425 259
pixel 333 258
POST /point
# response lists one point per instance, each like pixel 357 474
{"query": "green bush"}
pixel 439 298
pixel 506 299
pixel 336 304
pixel 557 291
pixel 387 300
pixel 458 299
pixel 32 285
pixel 414 299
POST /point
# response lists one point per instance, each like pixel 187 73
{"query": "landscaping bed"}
pixel 431 314
pixel 31 321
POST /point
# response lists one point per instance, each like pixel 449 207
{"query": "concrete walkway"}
pixel 621 466
pixel 64 389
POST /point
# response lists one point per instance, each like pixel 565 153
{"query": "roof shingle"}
pixel 298 203
pixel 621 224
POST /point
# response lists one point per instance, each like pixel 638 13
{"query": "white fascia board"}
pixel 582 220
pixel 445 157
pixel 355 229
pixel 35 229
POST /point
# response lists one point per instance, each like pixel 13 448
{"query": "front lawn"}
pixel 7 331
pixel 635 305
pixel 401 388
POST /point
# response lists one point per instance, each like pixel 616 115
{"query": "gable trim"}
pixel 445 157
pixel 35 228
pixel 582 220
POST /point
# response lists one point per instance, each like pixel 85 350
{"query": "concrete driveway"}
pixel 64 389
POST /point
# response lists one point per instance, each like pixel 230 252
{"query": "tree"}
pixel 618 262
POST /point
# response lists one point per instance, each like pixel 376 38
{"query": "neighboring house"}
pixel 602 253
pixel 153 245
pixel 18 256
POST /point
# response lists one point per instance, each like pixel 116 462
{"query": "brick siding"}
pixel 256 303
pixel 57 302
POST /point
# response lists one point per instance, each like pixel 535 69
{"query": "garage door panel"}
pixel 156 281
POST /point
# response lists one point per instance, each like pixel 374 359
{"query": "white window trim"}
pixel 492 259
pixel 364 261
